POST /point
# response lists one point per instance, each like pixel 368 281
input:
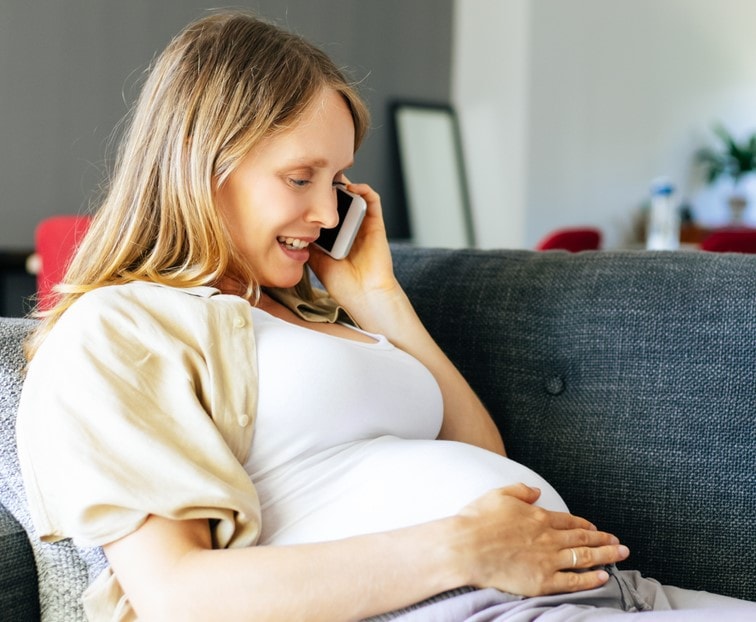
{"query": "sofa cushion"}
pixel 626 379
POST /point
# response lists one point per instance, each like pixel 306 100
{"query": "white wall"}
pixel 586 101
pixel 490 67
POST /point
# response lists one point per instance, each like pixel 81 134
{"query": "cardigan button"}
pixel 239 322
pixel 243 420
pixel 555 385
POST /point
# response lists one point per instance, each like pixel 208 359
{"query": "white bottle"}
pixel 663 218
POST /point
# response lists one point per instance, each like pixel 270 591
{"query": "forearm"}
pixel 465 417
pixel 169 570
pixel 347 579
pixel 341 580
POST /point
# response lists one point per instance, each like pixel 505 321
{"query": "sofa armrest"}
pixel 19 595
pixel 60 571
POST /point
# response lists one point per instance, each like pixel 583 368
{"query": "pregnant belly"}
pixel 384 484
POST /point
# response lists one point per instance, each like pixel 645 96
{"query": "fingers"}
pixel 523 492
pixel 564 520
pixel 372 198
pixel 501 500
pixel 590 549
pixel 364 190
pixel 576 581
pixel 581 557
pixel 583 569
pixel 588 538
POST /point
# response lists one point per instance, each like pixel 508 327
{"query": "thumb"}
pixel 523 492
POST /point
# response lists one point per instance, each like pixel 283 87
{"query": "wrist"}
pixel 382 310
pixel 456 553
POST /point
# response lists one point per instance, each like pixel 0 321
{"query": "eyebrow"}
pixel 318 163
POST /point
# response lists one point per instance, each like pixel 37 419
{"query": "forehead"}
pixel 323 133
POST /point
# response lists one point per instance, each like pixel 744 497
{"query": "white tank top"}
pixel 345 443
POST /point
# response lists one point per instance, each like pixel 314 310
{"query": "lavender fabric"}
pixel 626 595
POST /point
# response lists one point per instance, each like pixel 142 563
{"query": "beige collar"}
pixel 323 309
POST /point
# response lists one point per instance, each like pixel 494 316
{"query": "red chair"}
pixel 574 240
pixel 55 241
pixel 730 241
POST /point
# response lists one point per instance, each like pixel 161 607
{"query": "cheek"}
pixel 233 202
pixel 232 219
pixel 224 202
pixel 247 230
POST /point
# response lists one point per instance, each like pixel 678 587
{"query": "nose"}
pixel 323 209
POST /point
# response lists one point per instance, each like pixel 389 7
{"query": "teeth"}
pixel 293 243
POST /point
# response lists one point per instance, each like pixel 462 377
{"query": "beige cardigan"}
pixel 142 400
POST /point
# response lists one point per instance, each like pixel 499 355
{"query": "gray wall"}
pixel 69 69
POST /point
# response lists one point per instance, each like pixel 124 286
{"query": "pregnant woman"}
pixel 246 447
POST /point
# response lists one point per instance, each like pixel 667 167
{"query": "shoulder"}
pixel 159 352
pixel 139 300
pixel 149 312
pixel 152 328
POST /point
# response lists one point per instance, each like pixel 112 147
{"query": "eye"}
pixel 299 183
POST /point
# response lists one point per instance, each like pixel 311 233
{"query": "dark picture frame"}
pixel 432 171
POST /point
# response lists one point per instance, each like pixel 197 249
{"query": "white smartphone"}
pixel 338 240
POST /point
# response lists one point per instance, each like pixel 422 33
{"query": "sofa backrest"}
pixel 627 380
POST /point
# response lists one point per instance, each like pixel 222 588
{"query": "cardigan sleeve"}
pixel 141 401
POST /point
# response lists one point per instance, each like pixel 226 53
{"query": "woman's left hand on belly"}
pixel 514 546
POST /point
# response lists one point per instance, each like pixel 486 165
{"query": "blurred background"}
pixel 567 109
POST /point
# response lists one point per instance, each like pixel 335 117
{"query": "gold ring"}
pixel 574 557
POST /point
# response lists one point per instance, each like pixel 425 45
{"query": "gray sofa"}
pixel 627 379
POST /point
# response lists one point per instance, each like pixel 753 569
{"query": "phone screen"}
pixel 328 236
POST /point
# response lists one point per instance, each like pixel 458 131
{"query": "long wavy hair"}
pixel 223 84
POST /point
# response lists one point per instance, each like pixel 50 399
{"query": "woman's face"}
pixel 283 192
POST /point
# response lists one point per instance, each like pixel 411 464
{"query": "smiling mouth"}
pixel 292 244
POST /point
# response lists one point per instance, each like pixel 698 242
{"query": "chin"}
pixel 286 282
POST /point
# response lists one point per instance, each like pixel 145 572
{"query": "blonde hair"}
pixel 223 84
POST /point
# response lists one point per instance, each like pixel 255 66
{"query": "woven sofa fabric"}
pixel 626 379
pixel 62 573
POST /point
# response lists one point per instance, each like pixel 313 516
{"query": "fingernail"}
pixel 603 575
pixel 623 550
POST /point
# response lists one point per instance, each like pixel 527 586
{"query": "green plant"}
pixel 734 160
